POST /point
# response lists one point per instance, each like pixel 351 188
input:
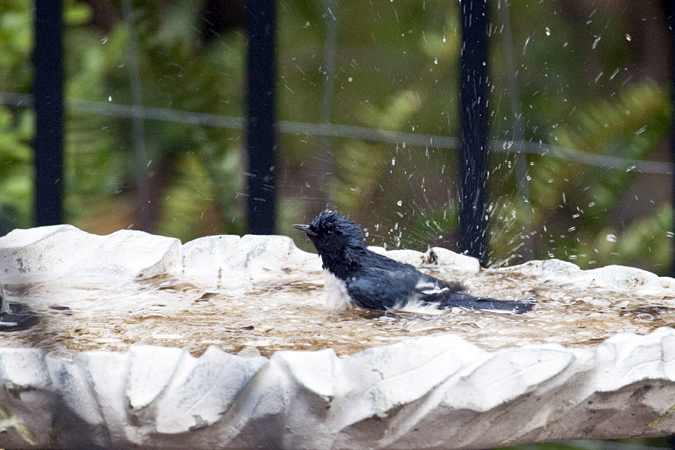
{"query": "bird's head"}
pixel 336 238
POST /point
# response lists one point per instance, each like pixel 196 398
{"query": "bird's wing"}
pixel 430 289
pixel 381 289
pixel 382 284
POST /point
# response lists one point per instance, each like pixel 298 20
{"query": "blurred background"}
pixel 368 103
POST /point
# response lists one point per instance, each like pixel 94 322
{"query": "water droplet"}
pixel 595 42
pixel 610 238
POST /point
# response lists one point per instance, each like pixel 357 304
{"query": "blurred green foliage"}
pixel 629 126
pixel 16 182
pixel 580 85
pixel 16 125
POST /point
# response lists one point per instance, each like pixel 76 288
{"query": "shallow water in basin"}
pixel 167 311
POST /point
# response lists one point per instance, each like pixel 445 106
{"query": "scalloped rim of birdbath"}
pixel 435 390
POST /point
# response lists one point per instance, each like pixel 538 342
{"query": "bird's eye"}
pixel 328 233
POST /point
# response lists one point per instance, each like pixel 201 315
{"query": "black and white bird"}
pixel 360 277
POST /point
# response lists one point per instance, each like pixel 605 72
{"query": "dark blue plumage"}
pixel 360 277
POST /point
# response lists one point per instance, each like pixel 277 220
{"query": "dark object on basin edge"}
pixel 15 316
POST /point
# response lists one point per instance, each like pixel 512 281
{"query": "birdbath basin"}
pixel 225 342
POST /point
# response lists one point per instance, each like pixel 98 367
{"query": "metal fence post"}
pixel 260 125
pixel 474 126
pixel 48 103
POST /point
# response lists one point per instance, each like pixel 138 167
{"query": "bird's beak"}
pixel 304 228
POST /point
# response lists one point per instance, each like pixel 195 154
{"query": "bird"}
pixel 357 276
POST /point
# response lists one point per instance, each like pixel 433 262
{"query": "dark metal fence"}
pixel 48 105
pixel 261 122
pixel 473 218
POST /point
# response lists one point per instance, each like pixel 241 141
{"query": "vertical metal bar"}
pixel 261 130
pixel 48 104
pixel 474 126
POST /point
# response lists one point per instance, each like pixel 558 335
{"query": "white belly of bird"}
pixel 336 291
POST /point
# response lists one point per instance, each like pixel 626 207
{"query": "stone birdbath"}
pixel 133 340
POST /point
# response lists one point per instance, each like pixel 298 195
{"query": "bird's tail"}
pixel 471 302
